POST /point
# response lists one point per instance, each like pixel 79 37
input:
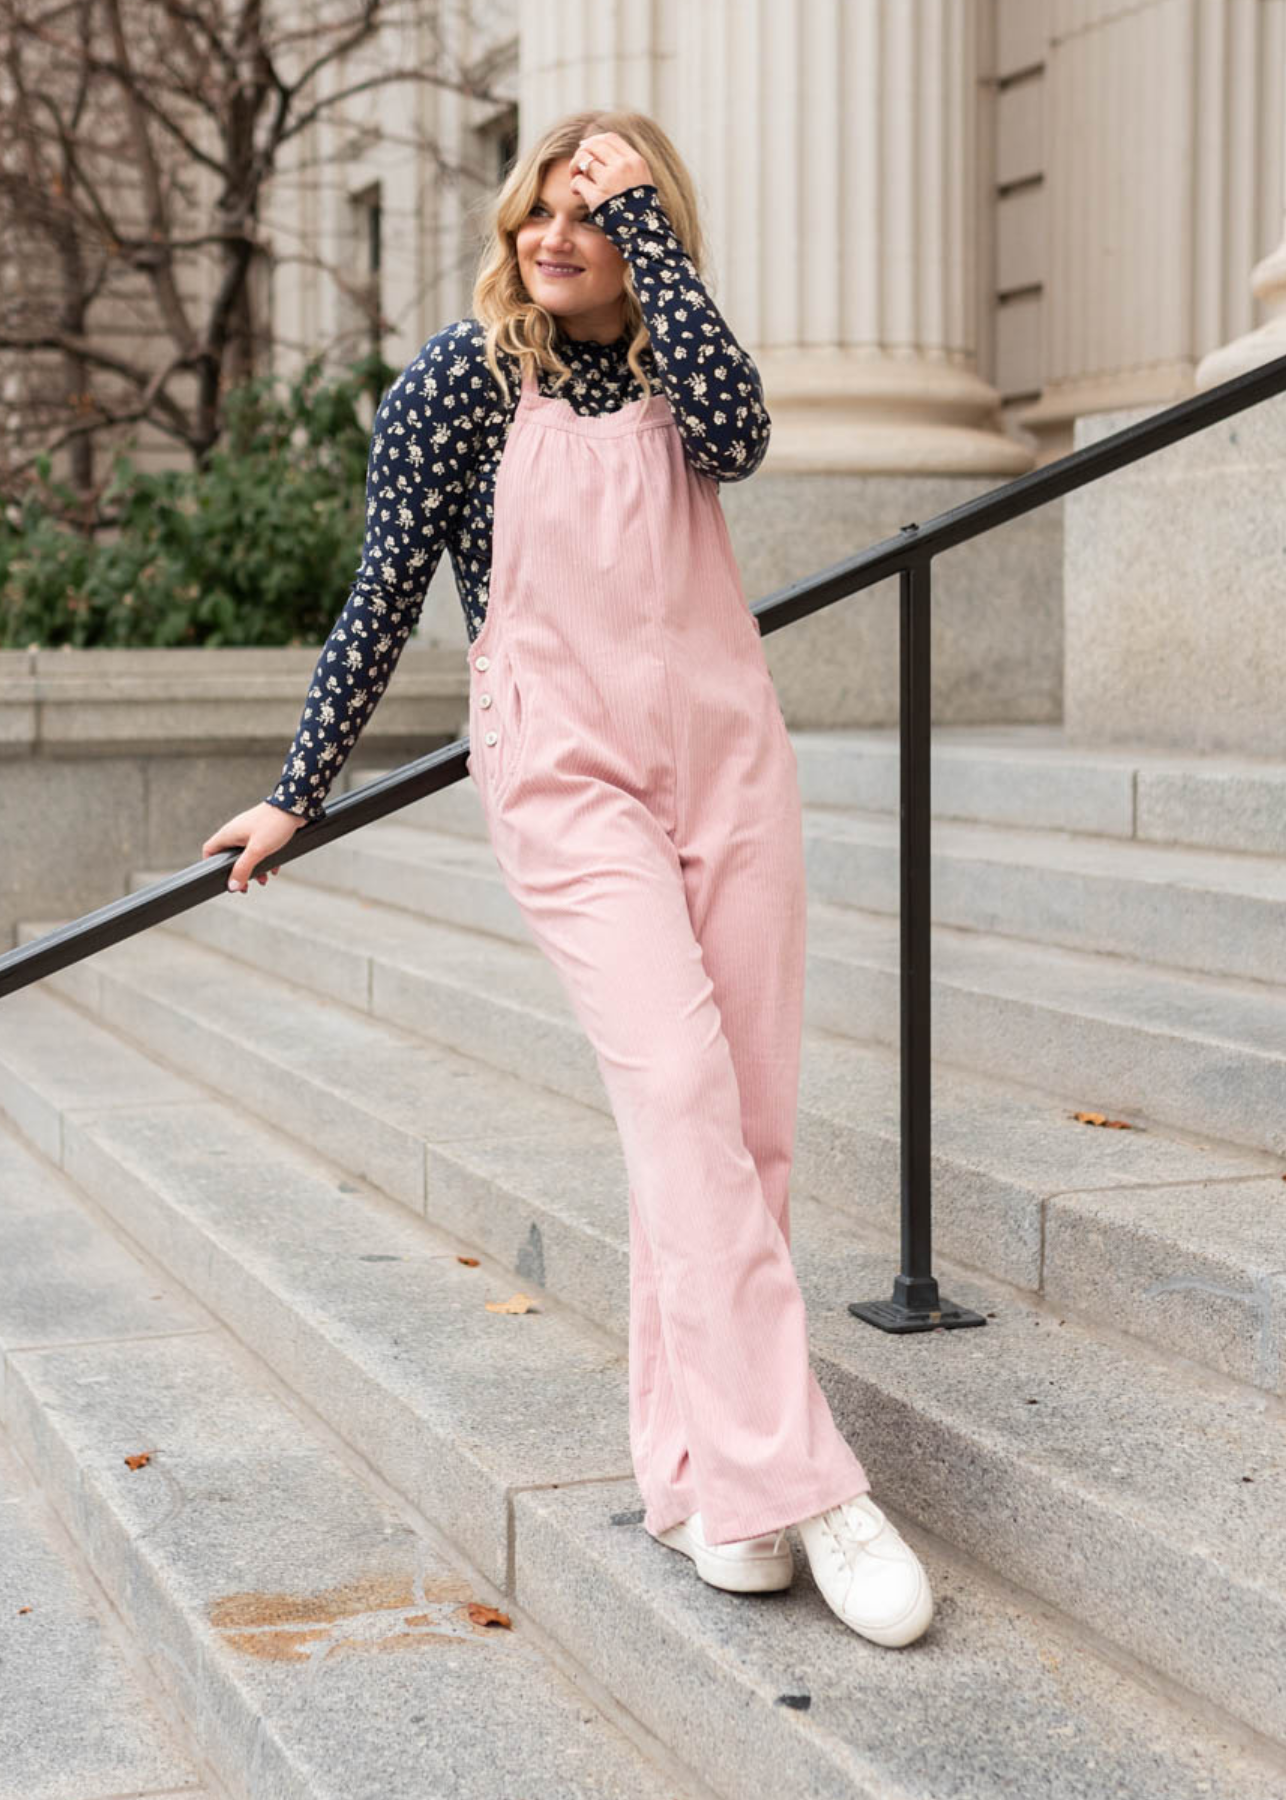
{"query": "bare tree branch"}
pixel 137 156
pixel 143 96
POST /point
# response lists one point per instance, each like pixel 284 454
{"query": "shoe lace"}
pixel 850 1527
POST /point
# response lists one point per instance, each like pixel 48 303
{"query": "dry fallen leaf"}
pixel 470 1262
pixel 140 1461
pixel 487 1615
pixel 516 1303
pixel 1089 1118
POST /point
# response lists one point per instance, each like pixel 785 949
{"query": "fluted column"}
pixel 834 144
pixel 1267 283
pixel 1161 122
pixel 579 53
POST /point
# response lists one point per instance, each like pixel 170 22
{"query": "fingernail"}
pixel 232 887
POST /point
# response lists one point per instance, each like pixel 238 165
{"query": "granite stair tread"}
pixel 1016 775
pixel 1057 1433
pixel 438 1027
pixel 80 1717
pixel 1252 874
pixel 314 1635
pixel 189 1181
pixel 1220 1009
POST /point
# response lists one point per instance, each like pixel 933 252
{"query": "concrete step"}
pixel 1192 1052
pixel 1028 776
pixel 1018 775
pixel 1212 912
pixel 368 1316
pixel 453 810
pixel 1179 1242
pixel 315 1634
pixel 1161 1484
pixel 79 1713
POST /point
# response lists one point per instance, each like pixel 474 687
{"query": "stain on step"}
pixel 374 1615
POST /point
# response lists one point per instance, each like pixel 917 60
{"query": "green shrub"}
pixel 259 547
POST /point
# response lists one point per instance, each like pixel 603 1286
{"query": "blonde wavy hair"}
pixel 516 323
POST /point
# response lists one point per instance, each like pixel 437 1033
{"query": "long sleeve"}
pixel 712 384
pixel 423 444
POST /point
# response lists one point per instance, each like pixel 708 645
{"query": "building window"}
pixel 362 310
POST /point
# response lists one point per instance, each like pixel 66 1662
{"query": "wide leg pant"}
pixel 725 1412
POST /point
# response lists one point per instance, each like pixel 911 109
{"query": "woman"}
pixel 640 792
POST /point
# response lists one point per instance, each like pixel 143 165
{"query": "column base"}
pixel 843 412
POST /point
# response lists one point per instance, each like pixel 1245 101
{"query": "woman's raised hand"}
pixel 262 829
pixel 604 164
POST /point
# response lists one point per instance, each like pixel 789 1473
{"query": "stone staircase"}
pixel 263 1169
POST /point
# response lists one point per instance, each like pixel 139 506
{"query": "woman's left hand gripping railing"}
pixel 134 912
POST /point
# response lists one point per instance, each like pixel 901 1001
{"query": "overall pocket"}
pixel 497 720
pixel 773 703
pixel 782 726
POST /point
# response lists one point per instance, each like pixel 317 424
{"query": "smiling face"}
pixel 556 236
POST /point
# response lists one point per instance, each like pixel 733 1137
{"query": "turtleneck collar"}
pixel 616 348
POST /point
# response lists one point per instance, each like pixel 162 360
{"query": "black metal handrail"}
pixel 916 1304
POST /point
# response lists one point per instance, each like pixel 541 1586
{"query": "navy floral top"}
pixel 436 444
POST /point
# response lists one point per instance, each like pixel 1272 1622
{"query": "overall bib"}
pixel 641 795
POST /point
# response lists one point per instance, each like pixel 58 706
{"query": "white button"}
pixel 484 700
pixel 482 662
pixel 491 737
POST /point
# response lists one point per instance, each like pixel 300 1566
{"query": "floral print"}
pixel 436 444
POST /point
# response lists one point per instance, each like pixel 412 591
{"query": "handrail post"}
pixel 916 1304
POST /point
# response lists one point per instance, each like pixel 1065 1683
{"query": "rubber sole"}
pixel 762 1575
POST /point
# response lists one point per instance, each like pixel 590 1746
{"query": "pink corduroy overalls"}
pixel 641 795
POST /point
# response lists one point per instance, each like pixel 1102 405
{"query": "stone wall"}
pixel 1174 590
pixel 118 760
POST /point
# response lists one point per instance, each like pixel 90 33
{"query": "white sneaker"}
pixel 868 1574
pixel 754 1565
